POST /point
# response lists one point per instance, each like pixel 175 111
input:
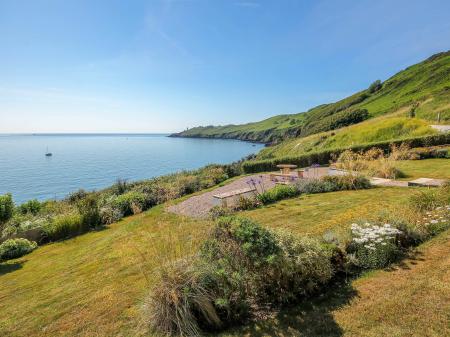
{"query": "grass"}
pixel 316 214
pixel 410 299
pixel 379 129
pixel 94 284
pixel 430 168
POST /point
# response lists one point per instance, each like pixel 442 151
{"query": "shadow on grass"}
pixel 6 267
pixel 312 317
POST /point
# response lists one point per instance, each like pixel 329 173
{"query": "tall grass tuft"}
pixel 180 300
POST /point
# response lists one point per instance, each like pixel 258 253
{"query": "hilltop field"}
pixel 94 284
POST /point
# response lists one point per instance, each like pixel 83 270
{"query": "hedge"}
pixel 324 157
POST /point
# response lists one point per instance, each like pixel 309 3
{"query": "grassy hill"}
pixel 424 87
pixel 94 284
pixel 383 128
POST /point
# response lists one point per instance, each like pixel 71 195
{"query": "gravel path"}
pixel 199 206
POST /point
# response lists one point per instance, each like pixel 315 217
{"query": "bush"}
pixel 375 86
pixel 244 203
pixel 304 267
pixel 120 187
pixel 241 268
pixel 336 121
pixel 89 211
pixel 374 246
pixel 30 207
pixel 277 193
pixel 110 214
pixel 347 182
pixel 77 196
pixel 6 207
pixel 14 248
pixel 65 226
pixel 130 203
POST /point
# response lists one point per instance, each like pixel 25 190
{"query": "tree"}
pixel 6 207
pixel 375 86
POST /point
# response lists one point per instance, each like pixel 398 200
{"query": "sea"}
pixel 96 161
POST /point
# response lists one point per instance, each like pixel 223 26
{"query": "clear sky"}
pixel 164 65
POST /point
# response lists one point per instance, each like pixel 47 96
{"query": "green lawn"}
pixel 429 168
pixel 94 285
pixel 315 214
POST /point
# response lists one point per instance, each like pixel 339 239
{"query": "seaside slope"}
pixel 423 88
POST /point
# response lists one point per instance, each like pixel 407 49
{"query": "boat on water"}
pixel 48 154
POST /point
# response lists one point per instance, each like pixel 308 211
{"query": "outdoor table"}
pixel 286 168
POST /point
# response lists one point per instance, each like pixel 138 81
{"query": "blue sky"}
pixel 164 65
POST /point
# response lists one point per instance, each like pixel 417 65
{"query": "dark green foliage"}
pixel 336 121
pixel 14 248
pixel 130 203
pixel 242 268
pixel 30 207
pixel 77 196
pixel 89 211
pixel 375 86
pixel 120 187
pixel 6 207
pixel 65 226
pixel 277 193
pixel 324 157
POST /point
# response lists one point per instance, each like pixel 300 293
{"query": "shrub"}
pixel 304 267
pixel 374 246
pixel 244 203
pixel 31 207
pixel 375 86
pixel 65 226
pixel 89 211
pixel 219 211
pixel 6 207
pixel 110 214
pixel 347 182
pixel 14 248
pixel 76 196
pixel 120 187
pixel 336 121
pixel 241 268
pixel 277 193
pixel 180 300
pixel 130 203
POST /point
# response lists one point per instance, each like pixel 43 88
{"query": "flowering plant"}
pixel 435 220
pixel 374 246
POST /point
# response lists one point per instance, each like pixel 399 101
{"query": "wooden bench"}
pixel 228 198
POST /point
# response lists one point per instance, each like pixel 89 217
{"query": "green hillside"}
pixel 424 88
pixel 378 129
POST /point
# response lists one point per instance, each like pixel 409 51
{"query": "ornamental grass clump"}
pixel 374 246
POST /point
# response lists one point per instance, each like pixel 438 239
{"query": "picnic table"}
pixel 286 168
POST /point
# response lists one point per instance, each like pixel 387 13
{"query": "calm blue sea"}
pixel 97 161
